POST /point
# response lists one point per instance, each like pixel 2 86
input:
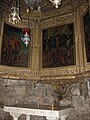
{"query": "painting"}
pixel 13 50
pixel 58 46
pixel 86 20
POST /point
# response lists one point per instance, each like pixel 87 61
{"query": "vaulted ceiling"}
pixel 46 5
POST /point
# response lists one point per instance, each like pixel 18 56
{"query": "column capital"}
pixel 15 115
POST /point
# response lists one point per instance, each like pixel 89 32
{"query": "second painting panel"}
pixel 58 46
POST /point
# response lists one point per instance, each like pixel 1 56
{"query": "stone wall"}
pixel 78 96
pixel 25 93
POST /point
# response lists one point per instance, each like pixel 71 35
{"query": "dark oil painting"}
pixel 58 46
pixel 86 20
pixel 13 52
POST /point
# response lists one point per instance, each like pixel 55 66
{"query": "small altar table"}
pixel 51 113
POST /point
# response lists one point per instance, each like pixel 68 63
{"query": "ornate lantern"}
pixel 26 36
pixel 56 3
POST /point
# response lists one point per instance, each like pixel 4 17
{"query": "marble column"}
pixel 27 117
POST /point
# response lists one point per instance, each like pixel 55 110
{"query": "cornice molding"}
pixel 68 18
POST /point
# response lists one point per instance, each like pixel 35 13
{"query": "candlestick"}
pixel 52 107
pixel 38 101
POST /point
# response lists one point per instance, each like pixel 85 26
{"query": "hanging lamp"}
pixel 14 16
pixel 56 3
pixel 26 31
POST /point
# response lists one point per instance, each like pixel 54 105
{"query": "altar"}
pixel 50 112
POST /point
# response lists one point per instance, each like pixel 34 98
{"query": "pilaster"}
pixel 1 31
pixel 78 42
pixel 36 36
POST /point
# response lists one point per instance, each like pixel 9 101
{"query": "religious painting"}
pixel 58 46
pixel 13 51
pixel 86 20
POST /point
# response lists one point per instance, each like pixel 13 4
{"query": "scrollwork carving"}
pixel 57 21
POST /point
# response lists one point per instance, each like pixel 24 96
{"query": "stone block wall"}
pixel 25 93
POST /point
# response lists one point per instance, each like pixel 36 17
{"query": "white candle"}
pixel 52 107
pixel 38 101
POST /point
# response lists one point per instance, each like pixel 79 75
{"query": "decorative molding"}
pixel 43 75
pixel 59 71
pixel 57 21
pixel 80 38
pixel 61 86
pixel 18 73
pixel 34 17
pixel 83 7
pixel 56 12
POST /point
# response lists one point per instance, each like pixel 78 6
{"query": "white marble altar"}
pixel 51 114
